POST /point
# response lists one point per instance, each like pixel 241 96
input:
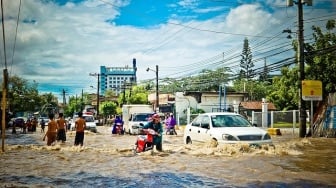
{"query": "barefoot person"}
pixel 80 127
pixel 61 128
pixel 52 130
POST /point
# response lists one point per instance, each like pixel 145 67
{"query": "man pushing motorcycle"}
pixel 156 125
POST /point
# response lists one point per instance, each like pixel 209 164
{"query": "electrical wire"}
pixel 3 34
pixel 16 31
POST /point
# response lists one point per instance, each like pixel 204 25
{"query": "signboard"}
pixel 311 90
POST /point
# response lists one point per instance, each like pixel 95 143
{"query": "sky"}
pixel 58 43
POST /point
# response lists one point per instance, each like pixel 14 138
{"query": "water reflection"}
pixel 108 161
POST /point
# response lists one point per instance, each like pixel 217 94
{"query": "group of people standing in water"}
pixel 57 130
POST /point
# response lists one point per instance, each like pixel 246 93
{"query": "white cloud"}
pixel 64 44
pixel 248 19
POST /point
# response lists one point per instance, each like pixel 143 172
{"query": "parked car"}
pixel 224 128
pixel 18 121
pixel 136 122
pixel 46 120
pixel 89 120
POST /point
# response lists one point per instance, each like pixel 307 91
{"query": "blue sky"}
pixel 58 43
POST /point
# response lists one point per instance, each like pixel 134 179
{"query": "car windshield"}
pixel 89 118
pixel 141 117
pixel 229 121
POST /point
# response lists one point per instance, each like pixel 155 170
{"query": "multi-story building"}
pixel 117 79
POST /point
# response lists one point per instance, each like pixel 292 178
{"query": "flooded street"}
pixel 108 161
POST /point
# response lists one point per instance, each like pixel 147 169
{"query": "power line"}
pixel 3 33
pixel 16 31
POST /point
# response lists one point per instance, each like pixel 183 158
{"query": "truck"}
pixel 130 114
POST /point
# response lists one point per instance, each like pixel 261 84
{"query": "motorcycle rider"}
pixel 118 122
pixel 156 125
pixel 170 124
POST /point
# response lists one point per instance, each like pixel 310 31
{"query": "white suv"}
pixel 89 120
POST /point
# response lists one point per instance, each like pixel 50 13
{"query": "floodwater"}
pixel 107 160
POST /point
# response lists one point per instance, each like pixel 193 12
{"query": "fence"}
pixel 277 119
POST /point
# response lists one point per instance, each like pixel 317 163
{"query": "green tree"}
pixel 23 96
pixel 264 75
pixel 256 89
pixel 246 62
pixel 284 94
pixel 135 95
pixel 108 108
pixel 321 57
pixel 74 105
pixel 207 80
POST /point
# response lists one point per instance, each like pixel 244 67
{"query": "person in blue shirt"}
pixel 117 122
pixel 156 125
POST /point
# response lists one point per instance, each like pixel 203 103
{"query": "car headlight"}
pixel 267 137
pixel 229 137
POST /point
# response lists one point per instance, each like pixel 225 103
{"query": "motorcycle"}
pixel 118 128
pixel 145 142
pixel 170 130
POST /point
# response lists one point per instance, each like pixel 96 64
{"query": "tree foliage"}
pixel 246 62
pixel 135 95
pixel 108 108
pixel 256 89
pixel 23 96
pixel 321 57
pixel 285 89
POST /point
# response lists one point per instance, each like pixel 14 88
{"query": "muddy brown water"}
pixel 108 161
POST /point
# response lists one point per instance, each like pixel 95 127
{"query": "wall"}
pixel 209 102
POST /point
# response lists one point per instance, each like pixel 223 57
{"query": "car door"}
pixel 194 129
pixel 204 131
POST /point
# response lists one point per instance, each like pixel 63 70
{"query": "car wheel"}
pixel 214 143
pixel 188 140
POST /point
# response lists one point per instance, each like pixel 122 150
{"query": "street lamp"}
pixel 157 86
pixel 98 75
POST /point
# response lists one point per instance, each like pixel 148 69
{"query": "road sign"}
pixel 311 90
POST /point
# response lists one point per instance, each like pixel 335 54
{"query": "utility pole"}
pixel 82 101
pixel 63 93
pixel 300 54
pixel 157 89
pixel 302 128
pixel 3 107
pixel 4 83
pixel 98 96
pixel 157 102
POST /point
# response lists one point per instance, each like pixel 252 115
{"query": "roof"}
pixel 256 105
